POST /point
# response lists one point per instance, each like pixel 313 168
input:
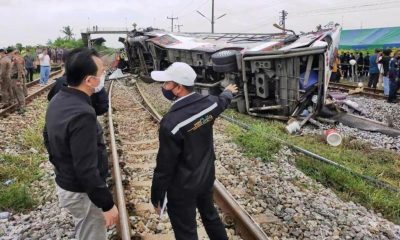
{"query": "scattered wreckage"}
pixel 280 75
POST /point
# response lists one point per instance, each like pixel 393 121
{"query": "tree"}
pixel 18 46
pixel 67 30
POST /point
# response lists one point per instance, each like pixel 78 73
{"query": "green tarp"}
pixel 358 39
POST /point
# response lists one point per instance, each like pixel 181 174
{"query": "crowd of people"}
pixel 18 67
pixel 381 66
pixel 185 167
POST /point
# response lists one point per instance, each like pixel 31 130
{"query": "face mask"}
pixel 168 94
pixel 101 84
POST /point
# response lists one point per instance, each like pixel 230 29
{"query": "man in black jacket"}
pixel 99 102
pixel 71 127
pixel 385 66
pixel 185 161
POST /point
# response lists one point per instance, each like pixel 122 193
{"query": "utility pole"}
pixel 212 20
pixel 179 27
pixel 212 17
pixel 282 19
pixel 172 18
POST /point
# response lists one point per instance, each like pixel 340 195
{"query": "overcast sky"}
pixel 34 22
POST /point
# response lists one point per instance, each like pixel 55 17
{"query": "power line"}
pixel 172 18
pixel 358 7
pixel 195 8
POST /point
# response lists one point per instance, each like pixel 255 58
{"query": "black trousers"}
pixel 182 213
pixel 30 74
pixel 393 87
pixel 373 80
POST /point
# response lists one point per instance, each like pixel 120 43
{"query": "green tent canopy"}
pixel 359 39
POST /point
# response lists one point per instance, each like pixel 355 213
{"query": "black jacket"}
pixel 385 64
pixel 100 104
pixel 185 160
pixel 71 139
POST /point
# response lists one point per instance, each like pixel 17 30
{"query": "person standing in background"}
pixel 373 69
pixel 29 66
pixel 17 79
pixel 384 61
pixel 44 59
pixel 5 79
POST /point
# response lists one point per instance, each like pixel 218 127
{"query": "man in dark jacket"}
pixel 99 102
pixel 29 66
pixel 71 128
pixel 385 67
pixel 394 65
pixel 185 161
pixel 373 69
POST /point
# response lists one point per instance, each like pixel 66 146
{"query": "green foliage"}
pixel 68 44
pixel 23 169
pixel 67 30
pixel 31 138
pixel 18 46
pixel 16 197
pixel 254 142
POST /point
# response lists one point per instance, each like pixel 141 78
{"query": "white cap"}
pixel 178 72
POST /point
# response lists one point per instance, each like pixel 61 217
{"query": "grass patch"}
pixel 249 140
pixel 357 155
pixel 351 188
pixel 32 137
pixel 21 170
pixel 16 197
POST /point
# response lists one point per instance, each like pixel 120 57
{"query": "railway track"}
pixel 34 90
pixel 370 92
pixel 134 144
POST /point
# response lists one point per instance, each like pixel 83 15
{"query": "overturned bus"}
pixel 279 75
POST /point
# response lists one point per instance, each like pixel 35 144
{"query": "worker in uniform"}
pixel 5 80
pixel 17 79
pixel 185 170
pixel 22 57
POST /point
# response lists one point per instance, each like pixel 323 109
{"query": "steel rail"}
pixel 124 227
pixel 371 92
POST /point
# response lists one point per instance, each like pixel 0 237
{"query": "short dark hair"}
pixel 80 64
pixel 387 52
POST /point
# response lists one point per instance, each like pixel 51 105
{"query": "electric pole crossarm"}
pixel 212 20
pixel 172 18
